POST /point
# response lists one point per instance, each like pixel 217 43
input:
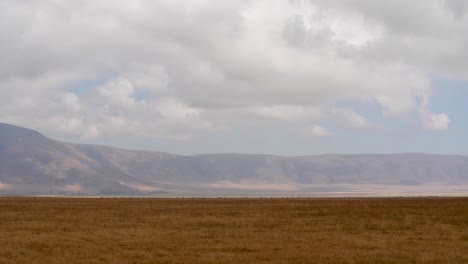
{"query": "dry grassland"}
pixel 368 230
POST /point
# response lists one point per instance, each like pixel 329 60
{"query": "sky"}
pixel 284 77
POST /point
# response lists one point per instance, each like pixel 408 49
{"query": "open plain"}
pixel 147 230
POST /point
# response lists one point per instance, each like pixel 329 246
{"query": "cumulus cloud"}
pixel 175 69
pixel 435 121
pixel 351 119
pixel 315 131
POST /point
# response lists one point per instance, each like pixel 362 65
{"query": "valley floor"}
pixel 327 230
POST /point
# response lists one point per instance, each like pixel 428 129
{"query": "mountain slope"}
pixel 31 163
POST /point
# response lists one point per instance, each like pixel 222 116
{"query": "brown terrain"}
pixel 365 230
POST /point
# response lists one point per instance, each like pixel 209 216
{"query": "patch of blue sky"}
pixel 86 86
pixel 142 95
pixel 451 97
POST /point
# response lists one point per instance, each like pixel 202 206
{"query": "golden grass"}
pixel 368 230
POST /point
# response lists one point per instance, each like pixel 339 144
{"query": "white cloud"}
pixel 351 119
pixel 118 92
pixel 315 131
pixel 435 121
pixel 71 101
pixel 173 69
pixel 289 112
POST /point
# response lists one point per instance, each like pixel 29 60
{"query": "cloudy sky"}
pixel 284 77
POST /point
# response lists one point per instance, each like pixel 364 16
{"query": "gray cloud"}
pixel 174 69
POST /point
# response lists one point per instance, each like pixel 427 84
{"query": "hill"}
pixel 33 164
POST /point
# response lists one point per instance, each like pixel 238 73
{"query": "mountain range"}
pixel 33 164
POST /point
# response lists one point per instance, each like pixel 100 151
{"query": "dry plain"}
pixel 143 230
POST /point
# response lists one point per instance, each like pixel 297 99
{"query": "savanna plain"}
pixel 144 230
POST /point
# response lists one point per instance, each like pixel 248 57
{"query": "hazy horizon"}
pixel 240 153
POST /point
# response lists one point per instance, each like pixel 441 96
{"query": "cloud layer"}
pixel 175 69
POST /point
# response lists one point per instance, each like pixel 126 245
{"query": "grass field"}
pixel 367 230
